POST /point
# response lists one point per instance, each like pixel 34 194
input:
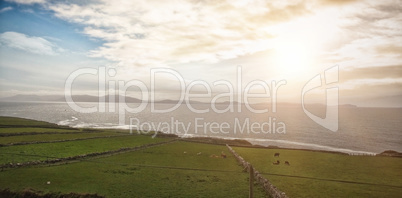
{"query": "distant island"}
pixel 128 99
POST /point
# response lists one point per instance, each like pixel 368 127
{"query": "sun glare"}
pixel 291 57
pixel 298 43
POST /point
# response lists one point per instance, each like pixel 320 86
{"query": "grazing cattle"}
pixel 199 153
pixel 223 155
pixel 276 155
pixel 287 163
pixel 276 163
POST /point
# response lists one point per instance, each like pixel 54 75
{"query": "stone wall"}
pixel 270 189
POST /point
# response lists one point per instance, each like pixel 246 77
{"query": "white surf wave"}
pixel 68 122
pixel 114 127
pixel 310 146
pixel 288 144
pixel 102 126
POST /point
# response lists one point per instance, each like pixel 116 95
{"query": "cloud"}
pixel 389 49
pixel 5 9
pixel 336 2
pixel 375 89
pixel 376 72
pixel 369 34
pixel 27 1
pixel 377 18
pixel 159 32
pixel 32 44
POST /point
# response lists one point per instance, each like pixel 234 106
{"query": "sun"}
pixel 299 43
pixel 292 56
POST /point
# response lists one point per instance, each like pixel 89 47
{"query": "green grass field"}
pixel 182 169
pixel 31 152
pixel 320 174
pixel 54 137
pixel 10 130
pixel 12 121
pixel 163 171
pixel 169 170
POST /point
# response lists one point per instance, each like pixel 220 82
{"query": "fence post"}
pixel 251 170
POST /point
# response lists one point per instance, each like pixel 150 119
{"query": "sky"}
pixel 42 42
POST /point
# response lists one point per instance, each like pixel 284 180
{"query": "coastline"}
pixel 248 142
pixel 233 141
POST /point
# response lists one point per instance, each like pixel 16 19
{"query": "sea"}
pixel 361 131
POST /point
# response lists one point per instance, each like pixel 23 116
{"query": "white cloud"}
pixel 370 33
pixel 31 44
pixel 159 32
pixel 6 9
pixel 27 1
